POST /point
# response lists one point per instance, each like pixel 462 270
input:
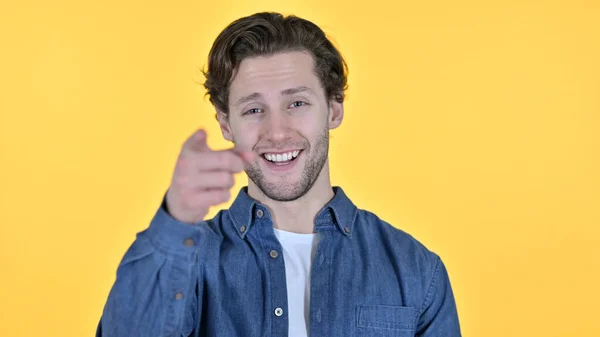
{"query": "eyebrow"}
pixel 285 92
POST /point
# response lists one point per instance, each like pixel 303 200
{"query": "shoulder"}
pixel 218 222
pixel 401 246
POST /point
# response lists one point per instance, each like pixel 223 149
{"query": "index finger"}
pixel 223 160
pixel 196 142
pixel 247 156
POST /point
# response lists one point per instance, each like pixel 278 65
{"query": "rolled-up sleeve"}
pixel 157 290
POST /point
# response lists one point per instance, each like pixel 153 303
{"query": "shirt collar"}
pixel 339 212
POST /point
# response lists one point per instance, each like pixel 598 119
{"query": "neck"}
pixel 297 216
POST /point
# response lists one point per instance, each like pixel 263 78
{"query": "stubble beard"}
pixel 290 191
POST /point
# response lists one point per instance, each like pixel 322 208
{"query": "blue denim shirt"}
pixel 219 278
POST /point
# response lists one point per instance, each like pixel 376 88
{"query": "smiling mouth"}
pixel 281 158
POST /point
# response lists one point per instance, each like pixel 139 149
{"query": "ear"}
pixel 336 114
pixel 224 124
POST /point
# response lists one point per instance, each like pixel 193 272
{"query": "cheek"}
pixel 312 128
pixel 244 135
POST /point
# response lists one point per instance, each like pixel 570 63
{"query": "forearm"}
pixel 157 285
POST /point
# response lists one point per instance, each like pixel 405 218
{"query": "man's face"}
pixel 278 109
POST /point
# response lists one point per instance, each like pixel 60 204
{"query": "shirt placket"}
pixel 320 287
pixel 272 256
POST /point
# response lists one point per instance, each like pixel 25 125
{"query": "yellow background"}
pixel 472 125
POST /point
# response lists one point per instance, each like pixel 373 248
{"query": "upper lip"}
pixel 280 151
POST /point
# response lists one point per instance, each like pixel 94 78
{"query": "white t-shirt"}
pixel 298 253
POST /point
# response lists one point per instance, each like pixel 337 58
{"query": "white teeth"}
pixel 281 157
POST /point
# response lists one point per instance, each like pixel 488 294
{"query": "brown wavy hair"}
pixel 268 33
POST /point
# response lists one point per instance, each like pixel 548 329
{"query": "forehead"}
pixel 269 75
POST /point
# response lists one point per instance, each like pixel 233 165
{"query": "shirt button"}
pixel 243 229
pixel 260 213
pixel 347 230
pixel 274 254
pixel 278 312
pixel 188 242
pixel 179 295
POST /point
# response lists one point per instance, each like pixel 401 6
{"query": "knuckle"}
pixel 222 196
pixel 240 165
pixel 224 178
pixel 214 199
pixel 224 160
pixel 208 199
pixel 197 201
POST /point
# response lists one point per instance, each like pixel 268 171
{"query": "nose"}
pixel 277 126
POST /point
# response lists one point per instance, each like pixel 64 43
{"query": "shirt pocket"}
pixel 385 320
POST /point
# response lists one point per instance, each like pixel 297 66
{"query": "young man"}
pixel 293 256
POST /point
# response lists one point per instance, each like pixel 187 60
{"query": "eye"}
pixel 298 104
pixel 252 111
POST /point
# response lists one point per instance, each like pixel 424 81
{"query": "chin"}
pixel 286 184
pixel 283 191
